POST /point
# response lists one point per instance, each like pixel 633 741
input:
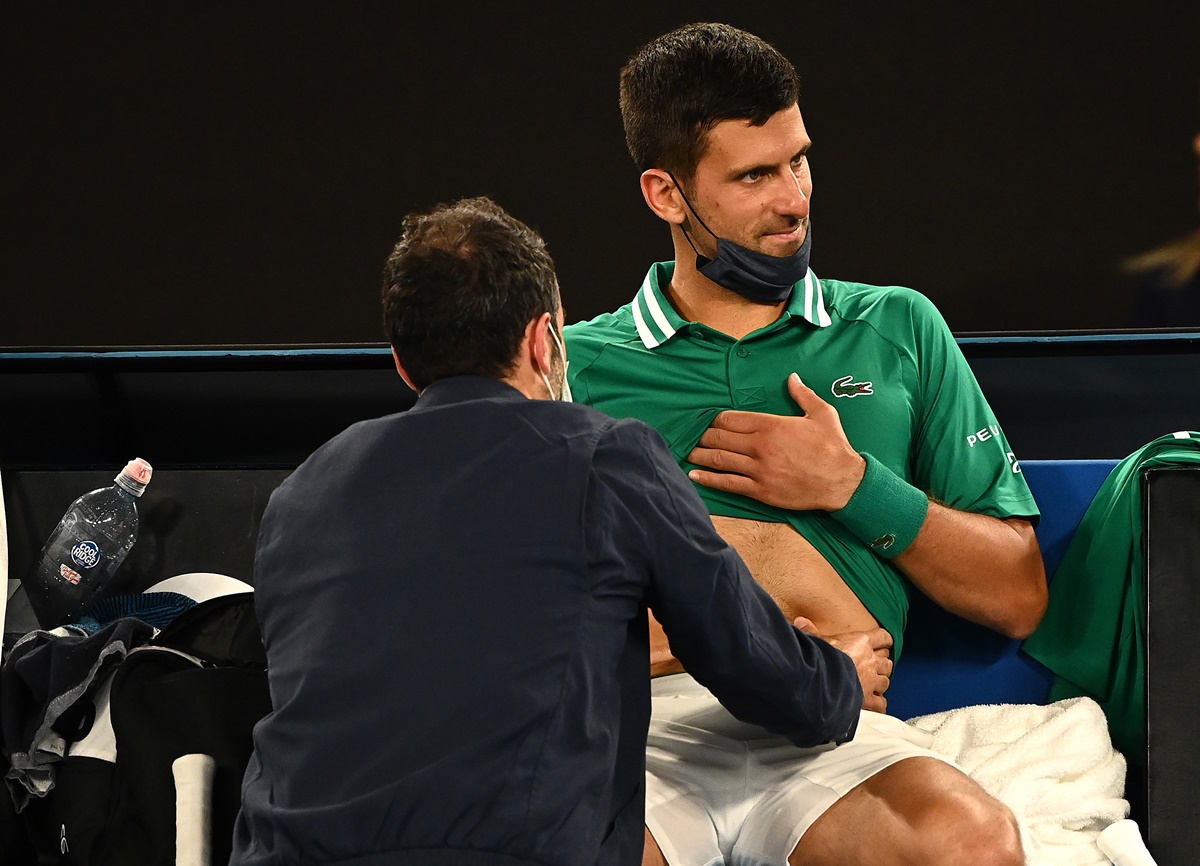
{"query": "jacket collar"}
pixel 460 389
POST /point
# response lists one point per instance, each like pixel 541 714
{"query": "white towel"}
pixel 1053 766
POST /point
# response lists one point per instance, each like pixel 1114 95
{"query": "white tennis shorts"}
pixel 720 791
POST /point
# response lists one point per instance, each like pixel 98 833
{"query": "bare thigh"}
pixel 919 811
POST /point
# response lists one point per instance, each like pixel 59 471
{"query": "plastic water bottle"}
pixel 87 547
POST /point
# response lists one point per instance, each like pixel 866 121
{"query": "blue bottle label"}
pixel 86 554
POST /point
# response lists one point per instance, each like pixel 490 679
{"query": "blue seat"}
pixel 949 662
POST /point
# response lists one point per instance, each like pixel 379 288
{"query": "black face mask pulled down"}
pixel 757 277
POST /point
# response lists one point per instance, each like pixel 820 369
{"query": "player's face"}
pixel 753 185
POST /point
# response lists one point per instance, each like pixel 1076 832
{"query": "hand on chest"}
pixel 857 373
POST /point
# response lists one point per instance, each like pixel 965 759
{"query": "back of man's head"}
pixel 675 89
pixel 459 289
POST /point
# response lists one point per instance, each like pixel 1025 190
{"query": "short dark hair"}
pixel 459 289
pixel 675 89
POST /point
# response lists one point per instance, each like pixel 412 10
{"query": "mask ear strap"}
pixel 558 343
pixel 701 259
pixel 562 353
pixel 550 333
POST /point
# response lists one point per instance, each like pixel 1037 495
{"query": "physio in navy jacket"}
pixel 453 599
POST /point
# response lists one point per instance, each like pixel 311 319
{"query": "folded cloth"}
pixel 1053 766
pixel 1093 635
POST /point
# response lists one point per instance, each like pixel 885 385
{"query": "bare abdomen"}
pixel 792 571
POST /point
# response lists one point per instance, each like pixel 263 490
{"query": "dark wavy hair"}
pixel 459 289
pixel 675 89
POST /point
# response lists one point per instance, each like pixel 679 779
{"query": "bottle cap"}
pixel 135 476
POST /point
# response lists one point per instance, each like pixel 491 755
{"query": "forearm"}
pixel 984 569
pixel 732 637
pixel 794 685
pixel 980 567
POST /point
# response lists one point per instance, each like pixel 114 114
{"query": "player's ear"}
pixel 662 196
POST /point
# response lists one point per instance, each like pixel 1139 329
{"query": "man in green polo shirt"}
pixel 841 444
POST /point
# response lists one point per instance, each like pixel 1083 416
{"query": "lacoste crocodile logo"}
pixel 844 387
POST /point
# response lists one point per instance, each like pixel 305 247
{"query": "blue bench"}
pixel 949 662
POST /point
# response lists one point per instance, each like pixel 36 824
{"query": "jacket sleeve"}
pixel 726 630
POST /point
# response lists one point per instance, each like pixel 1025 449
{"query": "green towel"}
pixel 1093 636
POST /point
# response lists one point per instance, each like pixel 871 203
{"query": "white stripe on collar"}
pixel 814 301
pixel 647 296
pixel 822 319
pixel 657 314
pixel 642 328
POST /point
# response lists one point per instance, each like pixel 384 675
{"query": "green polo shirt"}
pixel 882 356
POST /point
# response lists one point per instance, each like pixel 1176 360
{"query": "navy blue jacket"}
pixel 453 602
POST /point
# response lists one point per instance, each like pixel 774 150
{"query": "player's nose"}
pixel 792 200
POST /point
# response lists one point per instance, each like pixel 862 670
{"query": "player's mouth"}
pixel 795 234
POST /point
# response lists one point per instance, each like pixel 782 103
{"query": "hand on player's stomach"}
pixel 793 572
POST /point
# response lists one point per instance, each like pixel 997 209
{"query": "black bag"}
pixel 198 687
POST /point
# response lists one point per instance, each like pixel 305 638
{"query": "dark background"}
pixel 236 173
